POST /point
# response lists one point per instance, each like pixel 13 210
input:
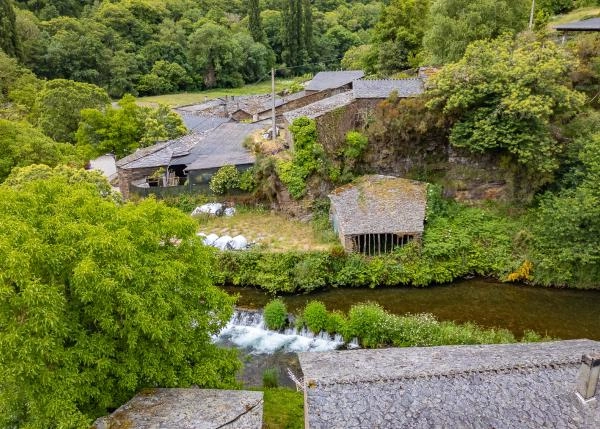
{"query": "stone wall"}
pixel 126 176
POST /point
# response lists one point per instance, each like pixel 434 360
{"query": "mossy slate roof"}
pixel 379 204
pixel 491 386
pixel 188 409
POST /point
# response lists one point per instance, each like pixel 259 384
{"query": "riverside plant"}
pixel 375 327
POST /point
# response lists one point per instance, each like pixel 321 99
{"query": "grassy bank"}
pixel 464 241
pixel 283 409
pixel 186 98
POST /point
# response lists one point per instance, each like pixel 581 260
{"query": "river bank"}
pixel 558 313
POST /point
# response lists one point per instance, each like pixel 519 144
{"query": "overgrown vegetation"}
pixel 275 313
pixel 283 409
pixel 375 327
pixel 226 179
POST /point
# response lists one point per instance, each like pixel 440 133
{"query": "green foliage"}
pixel 185 202
pixel 458 241
pixel 22 145
pixel 270 378
pixel 566 227
pixel 454 24
pixel 9 38
pixel 165 77
pixel 375 327
pixel 97 302
pixel 254 22
pixel 121 130
pixel 226 179
pixel 275 313
pixel 506 95
pixel 399 34
pixel 58 106
pixel 308 157
pixel 283 409
pixel 315 316
pixel 349 155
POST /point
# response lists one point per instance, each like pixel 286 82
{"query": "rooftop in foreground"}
pixel 492 386
pixel 188 409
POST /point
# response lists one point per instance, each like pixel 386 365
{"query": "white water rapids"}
pixel 246 330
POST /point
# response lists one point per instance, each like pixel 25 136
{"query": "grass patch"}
pixel 575 15
pixel 283 409
pixel 186 98
pixel 271 231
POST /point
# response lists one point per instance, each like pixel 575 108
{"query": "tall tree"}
pixel 307 28
pixel 456 23
pixel 9 40
pixel 99 299
pixel 294 53
pixel 57 109
pixel 506 96
pixel 254 22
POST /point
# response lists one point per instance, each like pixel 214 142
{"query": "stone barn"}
pixel 378 213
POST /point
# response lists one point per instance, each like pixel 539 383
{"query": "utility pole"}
pixel 274 129
pixel 531 15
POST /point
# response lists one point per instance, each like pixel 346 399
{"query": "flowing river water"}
pixel 559 313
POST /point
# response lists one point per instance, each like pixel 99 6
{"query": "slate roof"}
pixel 222 146
pixel 188 409
pixel 492 386
pixel 214 148
pixel 159 154
pixel 383 88
pixel 197 123
pixel 333 79
pixel 319 108
pixel 592 24
pixel 379 205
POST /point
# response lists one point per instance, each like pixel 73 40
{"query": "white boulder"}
pixel 222 242
pixel 210 239
pixel 210 208
pixel 239 242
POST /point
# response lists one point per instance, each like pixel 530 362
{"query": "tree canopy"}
pixel 505 95
pixel 121 130
pixel 99 299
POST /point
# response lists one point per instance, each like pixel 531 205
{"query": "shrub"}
pixel 226 179
pixel 275 314
pixel 337 323
pixel 315 316
pixel 270 378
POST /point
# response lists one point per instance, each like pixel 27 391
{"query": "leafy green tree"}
pixel 399 34
pixel 272 23
pixel 9 40
pixel 122 130
pixel 340 40
pixel 566 227
pixel 164 77
pixel 254 23
pixel 362 57
pixel 99 299
pixel 257 59
pixel 506 95
pixel 58 106
pixel 456 23
pixel 22 145
pixel 215 56
pixel 294 51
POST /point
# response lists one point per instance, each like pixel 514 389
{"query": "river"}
pixel 559 313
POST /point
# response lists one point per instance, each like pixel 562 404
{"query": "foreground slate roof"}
pixel 213 148
pixel 492 386
pixel 333 79
pixel 188 409
pixel 320 108
pixel 380 204
pixel 383 88
pixel 592 24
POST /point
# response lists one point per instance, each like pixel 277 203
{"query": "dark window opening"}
pixel 376 244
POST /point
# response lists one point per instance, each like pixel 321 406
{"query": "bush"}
pixel 226 179
pixel 275 314
pixel 337 323
pixel 315 316
pixel 270 378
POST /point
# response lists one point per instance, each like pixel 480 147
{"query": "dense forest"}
pixel 93 302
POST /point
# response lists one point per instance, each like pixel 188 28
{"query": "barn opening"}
pixel 376 244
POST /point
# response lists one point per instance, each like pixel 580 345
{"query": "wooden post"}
pixel 379 244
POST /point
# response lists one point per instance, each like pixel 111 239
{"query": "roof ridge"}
pixel 520 368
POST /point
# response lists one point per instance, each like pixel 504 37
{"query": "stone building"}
pixel 509 386
pixel 188 409
pixel 378 213
pixel 189 161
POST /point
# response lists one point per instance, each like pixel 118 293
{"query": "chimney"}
pixel 587 379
